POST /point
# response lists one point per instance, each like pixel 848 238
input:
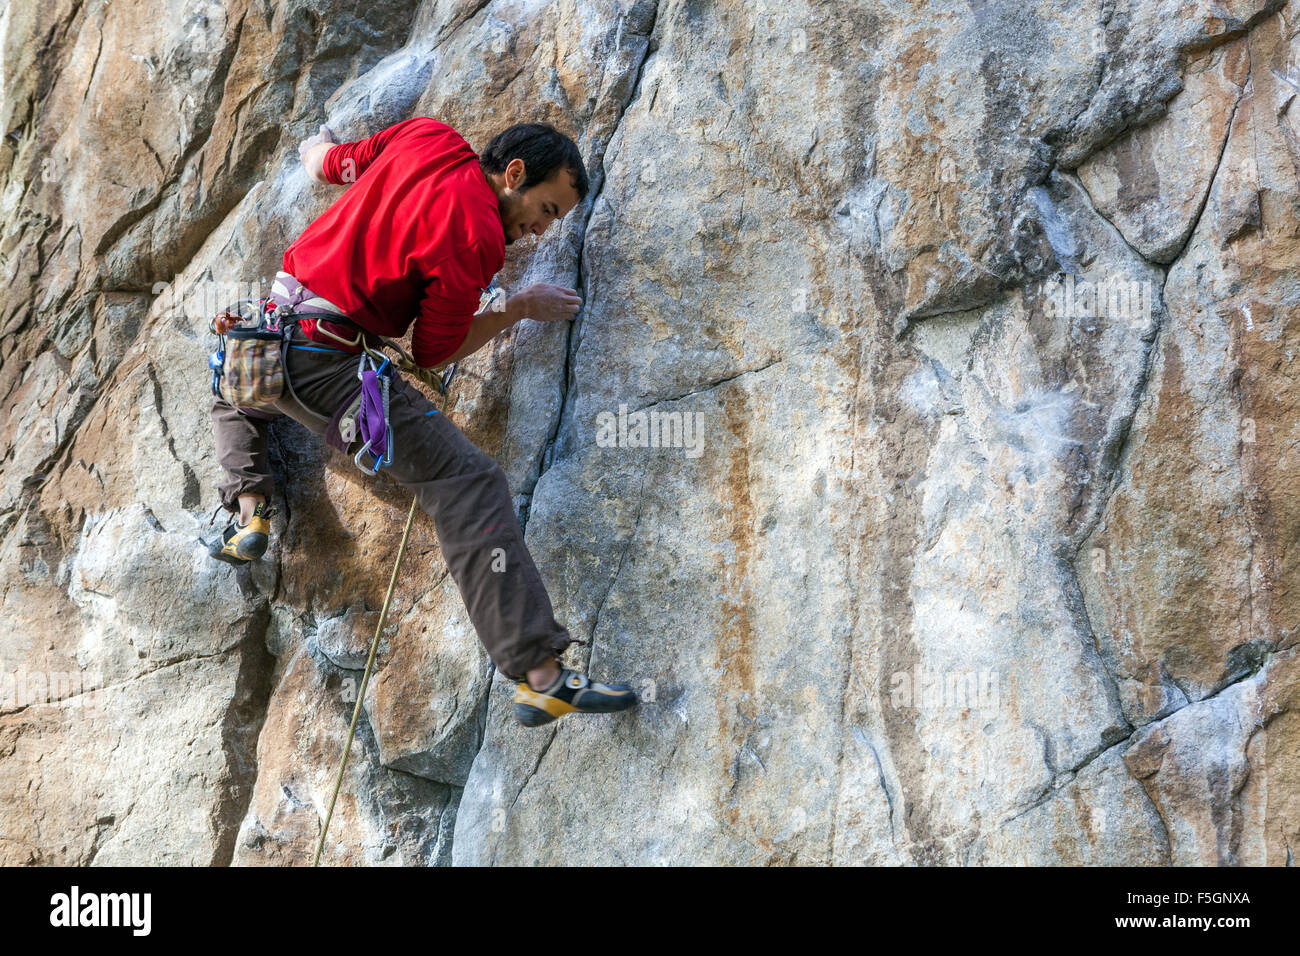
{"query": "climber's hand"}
pixel 551 303
pixel 312 151
pixel 324 136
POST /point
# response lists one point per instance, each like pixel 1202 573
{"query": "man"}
pixel 416 240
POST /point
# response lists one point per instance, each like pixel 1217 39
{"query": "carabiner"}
pixel 379 462
pixel 357 461
pixel 217 361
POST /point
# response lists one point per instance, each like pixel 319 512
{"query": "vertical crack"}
pixel 241 726
pixel 572 342
pixel 573 336
pixel 595 620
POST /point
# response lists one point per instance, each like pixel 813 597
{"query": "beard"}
pixel 507 203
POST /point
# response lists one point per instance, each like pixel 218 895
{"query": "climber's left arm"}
pixel 436 344
pixel 541 302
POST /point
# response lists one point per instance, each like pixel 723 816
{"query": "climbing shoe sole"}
pixel 247 548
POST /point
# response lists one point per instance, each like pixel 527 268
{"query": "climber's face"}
pixel 533 210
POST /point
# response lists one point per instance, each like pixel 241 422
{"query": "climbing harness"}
pixel 365 413
pixel 296 299
pixel 248 371
pixel 438 378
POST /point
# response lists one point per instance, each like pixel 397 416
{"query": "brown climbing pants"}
pixel 460 487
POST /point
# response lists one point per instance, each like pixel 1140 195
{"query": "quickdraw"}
pixel 372 421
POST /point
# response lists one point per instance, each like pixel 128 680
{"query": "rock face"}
pixel 969 327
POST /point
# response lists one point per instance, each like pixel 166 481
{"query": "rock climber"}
pixel 414 242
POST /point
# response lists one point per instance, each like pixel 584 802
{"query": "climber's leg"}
pixel 241 439
pixel 468 497
pixel 242 450
pixel 248 505
pixel 466 494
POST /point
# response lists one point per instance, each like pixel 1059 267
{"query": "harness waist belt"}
pixel 288 292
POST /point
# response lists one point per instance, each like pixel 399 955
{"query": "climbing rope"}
pixel 365 678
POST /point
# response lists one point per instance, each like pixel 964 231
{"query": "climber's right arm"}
pixel 314 161
pixel 312 151
pixel 339 164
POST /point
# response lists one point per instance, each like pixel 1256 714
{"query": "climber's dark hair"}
pixel 543 148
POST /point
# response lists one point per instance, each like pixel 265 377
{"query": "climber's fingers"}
pixel 323 136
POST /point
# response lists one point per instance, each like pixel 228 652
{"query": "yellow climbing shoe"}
pixel 240 544
pixel 571 693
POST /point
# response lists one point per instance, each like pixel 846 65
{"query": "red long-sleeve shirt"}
pixel 417 237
